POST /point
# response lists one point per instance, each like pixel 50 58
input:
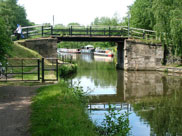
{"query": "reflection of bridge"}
pixel 105 106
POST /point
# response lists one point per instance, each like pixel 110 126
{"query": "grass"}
pixel 58 110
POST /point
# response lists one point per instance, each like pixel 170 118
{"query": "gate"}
pixel 49 69
pixel 29 69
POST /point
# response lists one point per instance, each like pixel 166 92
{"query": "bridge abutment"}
pixel 47 47
pixel 140 55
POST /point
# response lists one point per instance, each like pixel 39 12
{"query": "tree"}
pixel 142 15
pixel 5 41
pixel 13 14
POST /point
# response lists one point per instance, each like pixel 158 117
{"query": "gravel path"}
pixel 15 110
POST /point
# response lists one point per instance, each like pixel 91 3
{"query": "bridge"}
pixel 88 33
pixel 142 56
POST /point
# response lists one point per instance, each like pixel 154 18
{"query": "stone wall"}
pixel 142 56
pixel 47 47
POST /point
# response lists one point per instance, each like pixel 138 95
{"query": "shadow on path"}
pixel 15 104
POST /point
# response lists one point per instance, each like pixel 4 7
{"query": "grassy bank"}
pixel 58 110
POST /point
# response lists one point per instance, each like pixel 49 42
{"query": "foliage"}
pixel 13 14
pixel 115 123
pixel 142 15
pixel 5 41
pixel 106 21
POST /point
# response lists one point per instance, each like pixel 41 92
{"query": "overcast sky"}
pixel 67 11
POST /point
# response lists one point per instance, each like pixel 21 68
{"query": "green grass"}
pixel 60 111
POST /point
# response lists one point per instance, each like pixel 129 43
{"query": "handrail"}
pixel 95 30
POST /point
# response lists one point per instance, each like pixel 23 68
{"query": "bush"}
pixel 66 70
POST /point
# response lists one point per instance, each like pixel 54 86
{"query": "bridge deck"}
pixel 91 38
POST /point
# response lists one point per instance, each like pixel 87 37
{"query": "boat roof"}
pixel 89 46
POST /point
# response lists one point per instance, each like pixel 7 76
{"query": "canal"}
pixel 153 99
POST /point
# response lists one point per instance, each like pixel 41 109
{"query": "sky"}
pixel 66 11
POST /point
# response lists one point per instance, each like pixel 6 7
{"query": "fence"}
pixel 30 69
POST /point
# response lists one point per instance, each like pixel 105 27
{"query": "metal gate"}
pixel 29 69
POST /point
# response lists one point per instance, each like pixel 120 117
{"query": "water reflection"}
pixel 154 97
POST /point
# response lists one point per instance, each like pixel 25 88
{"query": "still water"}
pixel 153 99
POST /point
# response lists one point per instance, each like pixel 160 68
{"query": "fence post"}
pixel 6 70
pixel 43 70
pixel 42 31
pixel 22 68
pixel 57 69
pixel 38 69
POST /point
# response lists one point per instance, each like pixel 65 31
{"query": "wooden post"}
pixel 43 80
pixel 71 31
pixel 38 69
pixel 57 69
pixel 42 31
pixel 51 30
pixel 27 33
pixel 90 31
pixel 87 30
pixel 109 31
pixel 22 68
pixel 6 70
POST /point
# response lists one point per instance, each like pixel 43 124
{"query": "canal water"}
pixel 153 99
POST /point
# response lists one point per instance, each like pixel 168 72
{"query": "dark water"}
pixel 154 99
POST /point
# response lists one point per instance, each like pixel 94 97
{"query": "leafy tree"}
pixel 114 21
pixel 142 15
pixel 5 41
pixel 13 14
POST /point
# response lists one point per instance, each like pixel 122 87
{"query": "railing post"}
pixel 42 31
pixel 38 69
pixel 104 31
pixel 51 30
pixel 87 30
pixel 43 70
pixel 109 31
pixel 71 30
pixel 90 31
pixel 27 32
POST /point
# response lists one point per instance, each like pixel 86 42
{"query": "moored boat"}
pixel 88 49
pixel 64 50
pixel 101 52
